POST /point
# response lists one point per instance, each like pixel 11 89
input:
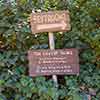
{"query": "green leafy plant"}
pixel 16 39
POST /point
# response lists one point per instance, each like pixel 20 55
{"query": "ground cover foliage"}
pixel 16 39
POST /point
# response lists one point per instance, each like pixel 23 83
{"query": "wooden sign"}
pixel 53 62
pixel 51 21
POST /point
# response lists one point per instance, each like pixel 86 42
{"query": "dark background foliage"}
pixel 16 39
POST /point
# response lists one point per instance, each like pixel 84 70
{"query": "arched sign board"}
pixel 53 62
pixel 52 21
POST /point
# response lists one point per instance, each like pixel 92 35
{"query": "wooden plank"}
pixel 51 21
pixel 53 62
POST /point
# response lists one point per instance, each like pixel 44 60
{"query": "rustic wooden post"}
pixel 89 97
pixel 52 47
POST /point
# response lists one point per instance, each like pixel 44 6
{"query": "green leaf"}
pixel 77 97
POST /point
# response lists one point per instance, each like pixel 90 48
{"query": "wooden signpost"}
pixel 52 21
pixel 52 47
pixel 52 62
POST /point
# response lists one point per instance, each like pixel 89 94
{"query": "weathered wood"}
pixel 52 47
pixel 51 21
pixel 58 62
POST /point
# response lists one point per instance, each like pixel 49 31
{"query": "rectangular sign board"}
pixel 52 21
pixel 53 62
